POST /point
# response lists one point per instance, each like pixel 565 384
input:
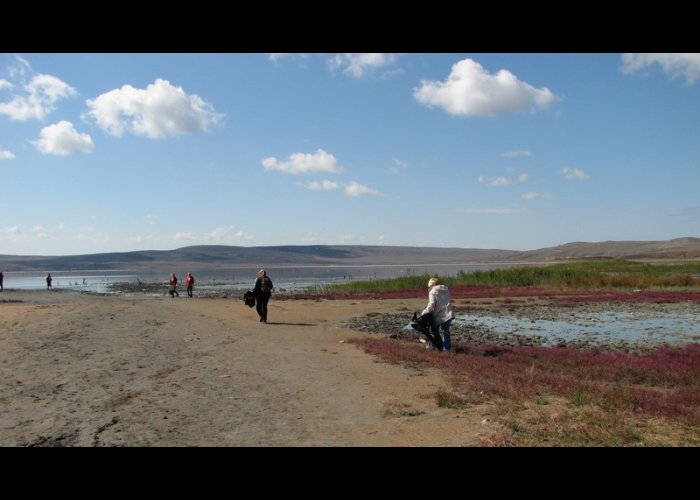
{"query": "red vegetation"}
pixel 665 382
pixel 476 292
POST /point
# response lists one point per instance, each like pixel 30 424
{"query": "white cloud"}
pixel 158 111
pixel 471 90
pixel 226 234
pixel 305 163
pixel 495 211
pixel 4 84
pixel 62 139
pixel 518 154
pixel 324 185
pixel 352 189
pixel 356 189
pixel 400 166
pixel 357 65
pixel 152 219
pixel 494 181
pixel 38 99
pixel 571 174
pixel 530 196
pixel 10 230
pixel 219 235
pixel 6 155
pixel 20 69
pixel 674 65
pixel 523 178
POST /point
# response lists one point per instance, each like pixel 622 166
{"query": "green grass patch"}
pixel 587 274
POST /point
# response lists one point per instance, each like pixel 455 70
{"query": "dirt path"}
pixel 80 370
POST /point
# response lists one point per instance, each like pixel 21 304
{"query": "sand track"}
pixel 84 370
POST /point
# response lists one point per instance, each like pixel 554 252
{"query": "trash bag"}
pixel 425 324
pixel 249 298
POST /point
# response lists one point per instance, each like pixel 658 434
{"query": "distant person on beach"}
pixel 49 279
pixel 1 278
pixel 189 282
pixel 440 304
pixel 173 286
pixel 262 291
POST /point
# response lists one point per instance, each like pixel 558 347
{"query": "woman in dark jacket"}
pixel 262 291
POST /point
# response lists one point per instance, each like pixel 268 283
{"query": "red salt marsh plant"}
pixel 605 389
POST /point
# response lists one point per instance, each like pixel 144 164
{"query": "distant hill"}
pixel 676 249
pixel 221 256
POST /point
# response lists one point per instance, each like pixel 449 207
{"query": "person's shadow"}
pixel 290 324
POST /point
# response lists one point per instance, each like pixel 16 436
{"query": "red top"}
pixel 173 281
pixel 189 281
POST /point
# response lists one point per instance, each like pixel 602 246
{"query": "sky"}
pixel 106 152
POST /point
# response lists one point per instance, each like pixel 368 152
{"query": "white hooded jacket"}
pixel 439 303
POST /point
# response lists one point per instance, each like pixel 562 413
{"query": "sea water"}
pixel 284 277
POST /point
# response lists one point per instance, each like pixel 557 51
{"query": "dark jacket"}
pixel 258 289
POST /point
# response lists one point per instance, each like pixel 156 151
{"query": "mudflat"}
pixel 92 370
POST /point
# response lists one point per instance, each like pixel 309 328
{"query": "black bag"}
pixel 249 298
pixel 426 326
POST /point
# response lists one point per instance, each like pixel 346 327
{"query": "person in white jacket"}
pixel 440 304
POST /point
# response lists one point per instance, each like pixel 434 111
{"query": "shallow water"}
pixel 595 327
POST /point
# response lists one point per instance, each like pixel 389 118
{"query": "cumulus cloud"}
pixel 37 99
pixel 6 155
pixel 518 154
pixel 62 139
pixel 471 90
pixel 358 65
pixel 305 163
pixel 158 111
pixel 494 181
pixel 152 219
pixel 531 196
pixel 357 189
pixel 674 65
pixel 4 84
pixel 574 174
pixel 523 177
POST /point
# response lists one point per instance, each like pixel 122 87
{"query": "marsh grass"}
pixel 587 274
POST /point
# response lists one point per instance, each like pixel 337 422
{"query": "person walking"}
pixel 49 279
pixel 262 291
pixel 189 283
pixel 1 279
pixel 173 286
pixel 440 304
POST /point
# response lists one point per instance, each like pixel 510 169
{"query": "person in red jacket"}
pixel 189 282
pixel 173 286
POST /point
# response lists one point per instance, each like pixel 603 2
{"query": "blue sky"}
pixel 121 152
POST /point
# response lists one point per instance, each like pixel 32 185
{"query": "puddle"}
pixel 594 327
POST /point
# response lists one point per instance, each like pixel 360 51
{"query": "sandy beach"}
pixel 93 370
